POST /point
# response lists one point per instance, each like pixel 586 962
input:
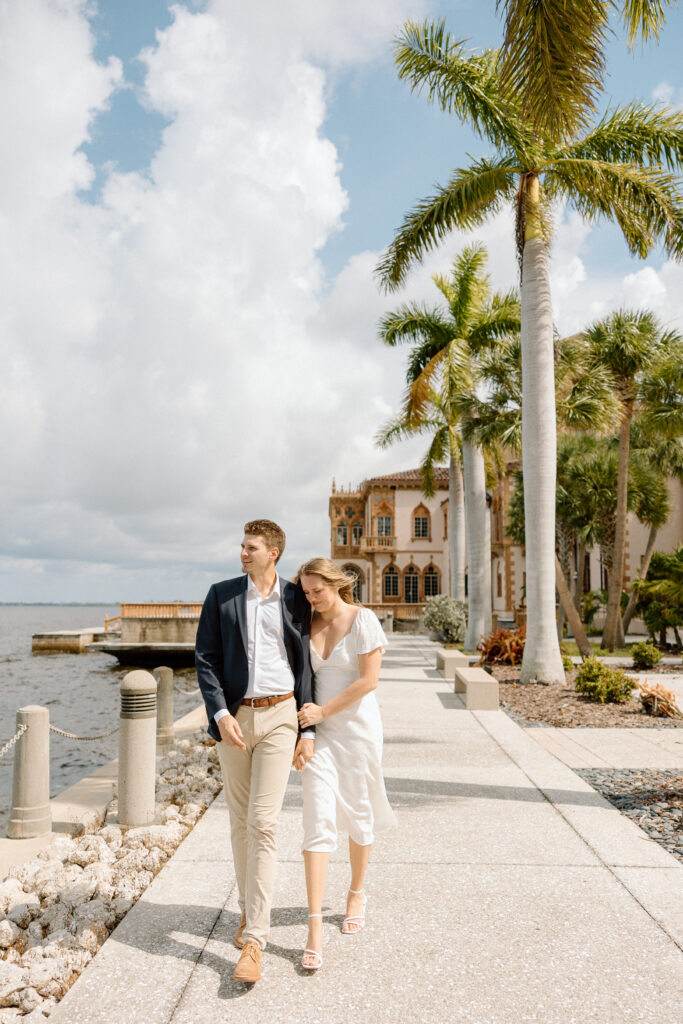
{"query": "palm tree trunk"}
pixel 542 660
pixel 580 576
pixel 631 606
pixel 610 634
pixel 570 611
pixel 478 545
pixel 456 529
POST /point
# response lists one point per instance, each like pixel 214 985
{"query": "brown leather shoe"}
pixel 249 964
pixel 239 941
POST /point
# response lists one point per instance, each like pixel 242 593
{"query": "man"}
pixel 253 667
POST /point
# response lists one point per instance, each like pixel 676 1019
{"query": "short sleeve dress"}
pixel 343 787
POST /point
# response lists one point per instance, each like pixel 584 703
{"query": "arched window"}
pixel 356 577
pixel 411 585
pixel 432 581
pixel 357 531
pixel 384 526
pixel 342 534
pixel 390 582
pixel 421 523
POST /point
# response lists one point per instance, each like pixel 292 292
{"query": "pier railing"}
pixel 155 610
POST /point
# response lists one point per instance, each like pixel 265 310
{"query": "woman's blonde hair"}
pixel 330 574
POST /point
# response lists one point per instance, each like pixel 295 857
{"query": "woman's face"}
pixel 321 596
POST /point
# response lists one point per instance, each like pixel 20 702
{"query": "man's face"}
pixel 256 556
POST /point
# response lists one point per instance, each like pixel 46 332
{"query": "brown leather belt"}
pixel 266 702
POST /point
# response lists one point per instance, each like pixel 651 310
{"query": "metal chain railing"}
pixel 10 743
pixel 83 739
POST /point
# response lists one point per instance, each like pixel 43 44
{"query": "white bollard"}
pixel 137 748
pixel 165 731
pixel 31 815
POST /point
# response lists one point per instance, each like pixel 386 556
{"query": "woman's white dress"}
pixel 343 787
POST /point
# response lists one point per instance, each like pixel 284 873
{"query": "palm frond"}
pixel 471 196
pixel 648 493
pixel 414 323
pixel 400 428
pixel 552 61
pixel 638 133
pixel 436 454
pixel 643 18
pixel 646 203
pixel 498 318
pixel 661 392
pixel 590 402
pixel 462 83
pixel 471 285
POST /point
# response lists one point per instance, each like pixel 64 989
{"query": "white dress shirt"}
pixel 270 673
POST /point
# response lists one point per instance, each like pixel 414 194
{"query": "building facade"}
pixel 394 542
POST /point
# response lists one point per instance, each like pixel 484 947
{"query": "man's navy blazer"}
pixel 221 645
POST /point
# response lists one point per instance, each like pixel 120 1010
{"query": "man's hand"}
pixel 310 714
pixel 231 732
pixel 304 750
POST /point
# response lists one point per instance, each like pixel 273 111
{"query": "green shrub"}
pixel 567 663
pixel 447 617
pixel 604 684
pixel 645 655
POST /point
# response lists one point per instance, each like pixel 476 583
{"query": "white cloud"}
pixel 171 366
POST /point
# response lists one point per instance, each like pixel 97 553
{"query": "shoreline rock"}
pixel 57 909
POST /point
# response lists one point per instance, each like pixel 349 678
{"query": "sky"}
pixel 193 197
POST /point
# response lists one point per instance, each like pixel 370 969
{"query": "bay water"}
pixel 80 690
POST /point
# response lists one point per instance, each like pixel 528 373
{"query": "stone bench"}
pixel 447 660
pixel 480 688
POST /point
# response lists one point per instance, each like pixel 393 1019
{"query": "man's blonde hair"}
pixel 272 534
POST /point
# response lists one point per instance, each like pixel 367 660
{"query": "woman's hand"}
pixel 310 714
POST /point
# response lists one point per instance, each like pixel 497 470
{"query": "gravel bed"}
pixel 533 704
pixel 653 799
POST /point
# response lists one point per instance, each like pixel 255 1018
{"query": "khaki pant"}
pixel 255 780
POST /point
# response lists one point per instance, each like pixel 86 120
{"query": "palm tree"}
pixel 584 402
pixel 553 55
pixel 631 345
pixel 446 343
pixel 613 171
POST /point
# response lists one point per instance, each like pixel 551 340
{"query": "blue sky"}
pixel 392 144
pixel 194 197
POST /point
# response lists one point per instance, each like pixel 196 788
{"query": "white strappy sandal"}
pixel 312 952
pixel 359 920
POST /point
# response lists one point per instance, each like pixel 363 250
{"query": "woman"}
pixel 342 784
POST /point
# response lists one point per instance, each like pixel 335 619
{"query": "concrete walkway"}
pixel 509 891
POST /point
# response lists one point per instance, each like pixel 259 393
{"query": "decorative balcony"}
pixel 378 543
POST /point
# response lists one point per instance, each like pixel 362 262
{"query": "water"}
pixel 81 691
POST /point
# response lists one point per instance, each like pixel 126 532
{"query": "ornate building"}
pixel 393 540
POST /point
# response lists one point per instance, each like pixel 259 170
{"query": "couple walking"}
pixel 287 673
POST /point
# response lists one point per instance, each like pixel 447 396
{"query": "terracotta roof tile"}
pixel 411 476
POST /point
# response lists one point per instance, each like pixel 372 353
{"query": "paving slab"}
pixel 508 892
pixel 613 748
